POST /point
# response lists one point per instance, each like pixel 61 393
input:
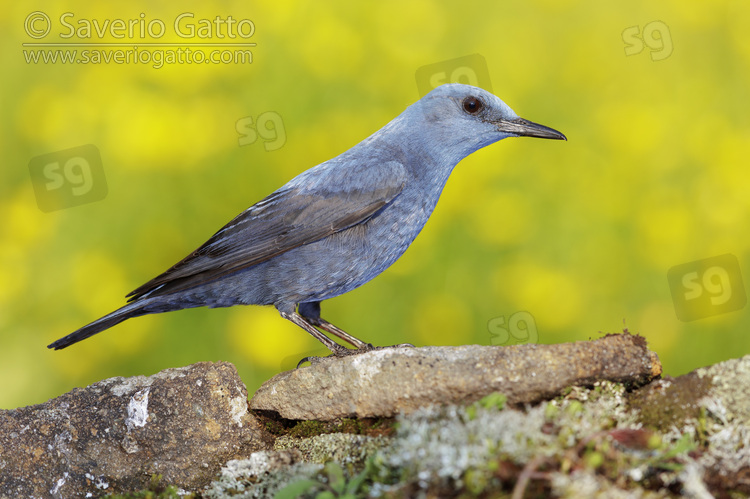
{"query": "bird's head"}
pixel 466 118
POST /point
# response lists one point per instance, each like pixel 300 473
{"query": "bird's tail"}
pixel 133 309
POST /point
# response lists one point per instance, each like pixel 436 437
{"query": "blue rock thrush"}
pixel 335 226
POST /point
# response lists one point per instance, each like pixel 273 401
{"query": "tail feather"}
pixel 133 309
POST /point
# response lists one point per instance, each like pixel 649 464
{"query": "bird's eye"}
pixel 472 105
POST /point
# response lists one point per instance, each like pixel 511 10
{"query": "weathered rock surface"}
pixel 686 436
pixel 724 388
pixel 392 381
pixel 183 424
pixel 606 437
pixel 717 397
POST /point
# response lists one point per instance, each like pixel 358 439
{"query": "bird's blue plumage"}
pixel 337 225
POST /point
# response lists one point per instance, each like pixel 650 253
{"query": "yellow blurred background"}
pixel 576 237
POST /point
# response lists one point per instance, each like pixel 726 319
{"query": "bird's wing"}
pixel 309 208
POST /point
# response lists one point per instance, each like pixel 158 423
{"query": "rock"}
pixel 715 399
pixel 722 388
pixel 390 381
pixel 112 436
pixel 589 443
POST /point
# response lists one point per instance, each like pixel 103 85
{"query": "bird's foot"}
pixel 340 352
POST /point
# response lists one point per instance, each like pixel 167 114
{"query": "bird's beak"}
pixel 526 128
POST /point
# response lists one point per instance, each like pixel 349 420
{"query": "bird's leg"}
pixel 335 348
pixel 359 344
pixel 328 327
pixel 311 312
pixel 309 318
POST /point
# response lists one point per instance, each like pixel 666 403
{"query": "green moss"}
pixel 475 481
pixel 305 429
pixel 493 400
pixel 274 427
pixel 593 459
pixel 574 408
pixel 551 411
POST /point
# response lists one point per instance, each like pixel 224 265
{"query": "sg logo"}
pixel 68 178
pixel 520 329
pixel 274 136
pixel 655 36
pixel 470 69
pixel 707 287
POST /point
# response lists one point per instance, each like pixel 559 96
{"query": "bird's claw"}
pixel 311 360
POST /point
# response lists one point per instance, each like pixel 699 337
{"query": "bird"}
pixel 335 226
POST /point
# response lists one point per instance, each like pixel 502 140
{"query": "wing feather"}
pixel 309 208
